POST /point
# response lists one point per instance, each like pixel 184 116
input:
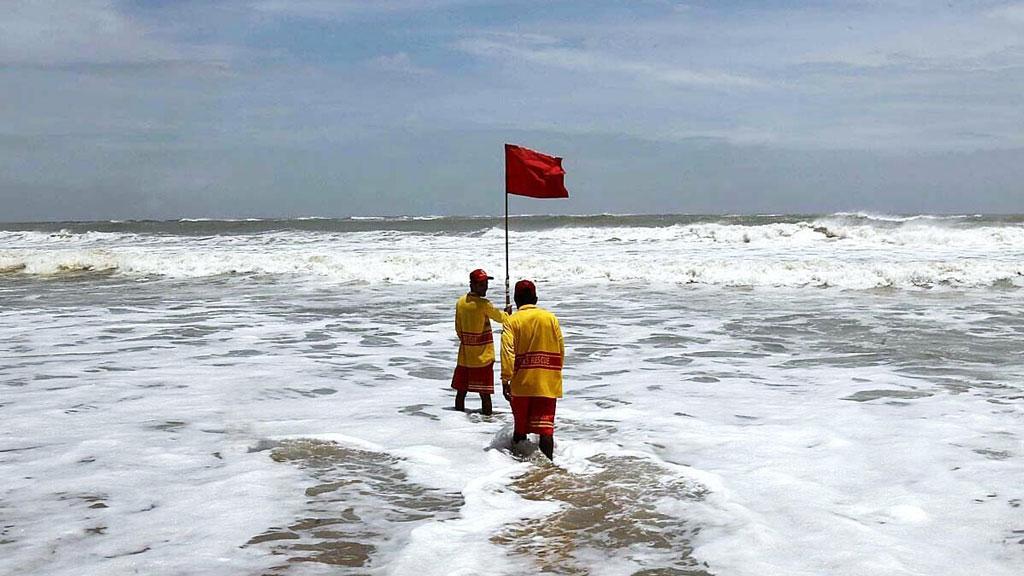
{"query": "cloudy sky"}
pixel 181 108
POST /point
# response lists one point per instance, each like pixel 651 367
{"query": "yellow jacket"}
pixel 473 316
pixel 532 352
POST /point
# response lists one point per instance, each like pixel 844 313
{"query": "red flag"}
pixel 530 173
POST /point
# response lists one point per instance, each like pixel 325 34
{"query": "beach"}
pixel 838 394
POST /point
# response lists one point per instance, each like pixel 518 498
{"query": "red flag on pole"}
pixel 530 173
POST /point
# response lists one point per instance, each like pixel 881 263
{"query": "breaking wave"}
pixel 847 250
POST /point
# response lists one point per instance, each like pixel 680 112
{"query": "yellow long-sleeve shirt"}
pixel 473 316
pixel 532 353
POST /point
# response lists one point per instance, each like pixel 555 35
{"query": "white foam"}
pixel 149 401
pixel 464 542
pixel 830 252
pixel 881 217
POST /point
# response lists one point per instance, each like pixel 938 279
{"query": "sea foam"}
pixel 842 251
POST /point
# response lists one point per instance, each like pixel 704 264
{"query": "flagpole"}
pixel 507 303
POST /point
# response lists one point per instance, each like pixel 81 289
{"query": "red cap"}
pixel 525 287
pixel 479 275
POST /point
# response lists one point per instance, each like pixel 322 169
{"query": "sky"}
pixel 161 109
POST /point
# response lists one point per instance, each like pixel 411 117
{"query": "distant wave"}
pixel 398 218
pixel 443 224
pixel 904 218
pixel 874 231
pixel 222 220
pixel 619 263
pixel 411 269
pixel 853 251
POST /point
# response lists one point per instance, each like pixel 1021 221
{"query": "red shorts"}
pixel 534 415
pixel 468 379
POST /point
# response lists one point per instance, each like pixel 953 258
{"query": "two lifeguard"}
pixel 532 354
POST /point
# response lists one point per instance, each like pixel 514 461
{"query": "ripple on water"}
pixel 317 336
pixel 377 341
pixel 992 454
pixel 167 425
pixel 432 373
pixel 418 410
pixel 613 512
pixel 364 367
pixel 242 353
pixel 359 502
pixel 679 360
pixel 853 360
pixel 666 340
pixel 869 395
pixel 727 354
pixel 304 393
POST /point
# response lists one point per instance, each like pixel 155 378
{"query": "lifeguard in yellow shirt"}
pixel 532 353
pixel 474 371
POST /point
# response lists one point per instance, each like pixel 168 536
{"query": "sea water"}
pixel 793 395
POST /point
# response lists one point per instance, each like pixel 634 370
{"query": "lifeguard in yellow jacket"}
pixel 474 371
pixel 532 354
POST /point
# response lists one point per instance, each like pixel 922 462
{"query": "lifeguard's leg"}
pixel 460 400
pixel 485 404
pixel 520 409
pixel 547 446
pixel 542 421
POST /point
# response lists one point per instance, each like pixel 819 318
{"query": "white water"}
pixel 775 430
pixel 837 251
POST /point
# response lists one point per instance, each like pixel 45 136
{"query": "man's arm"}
pixel 508 360
pixel 561 342
pixel 493 313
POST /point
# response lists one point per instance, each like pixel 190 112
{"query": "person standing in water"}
pixel 532 354
pixel 474 370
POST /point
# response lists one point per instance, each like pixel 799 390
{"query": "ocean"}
pixel 745 395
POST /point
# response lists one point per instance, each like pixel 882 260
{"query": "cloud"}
pixel 343 9
pixel 1013 13
pixel 399 63
pixel 912 38
pixel 591 62
pixel 91 33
